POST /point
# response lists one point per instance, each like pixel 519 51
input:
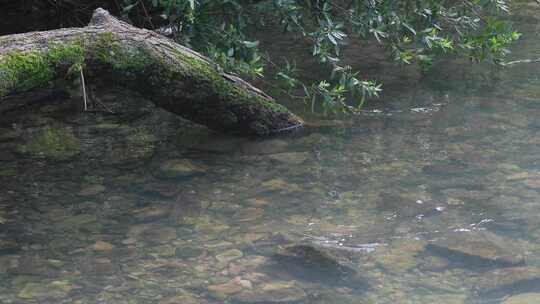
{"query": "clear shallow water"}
pixel 432 196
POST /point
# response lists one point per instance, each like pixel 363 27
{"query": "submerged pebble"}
pixel 92 190
pixel 183 299
pixel 102 246
pixel 229 255
pixel 290 158
pixel 152 213
pixel 45 291
pixel 176 168
pixel 272 292
pixel 221 291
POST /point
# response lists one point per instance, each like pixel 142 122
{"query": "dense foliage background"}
pixel 412 31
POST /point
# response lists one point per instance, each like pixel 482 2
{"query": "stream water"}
pixel 431 195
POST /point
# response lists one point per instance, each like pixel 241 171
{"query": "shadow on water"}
pixel 468 261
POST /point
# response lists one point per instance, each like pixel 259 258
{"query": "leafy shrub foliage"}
pixel 413 32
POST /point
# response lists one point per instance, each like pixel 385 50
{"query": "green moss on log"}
pixel 125 59
pixel 206 74
pixel 71 55
pixel 108 49
pixel 22 71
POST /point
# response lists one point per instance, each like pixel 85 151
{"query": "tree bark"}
pixel 172 76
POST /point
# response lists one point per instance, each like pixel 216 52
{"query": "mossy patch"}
pixel 207 74
pixel 53 143
pixel 22 71
pixel 121 57
pixel 71 55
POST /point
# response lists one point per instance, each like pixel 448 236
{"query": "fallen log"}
pixel 174 77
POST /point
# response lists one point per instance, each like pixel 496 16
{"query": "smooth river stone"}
pixel 525 298
pixel 229 255
pixel 273 292
pixel 102 246
pixel 182 299
pixel 290 158
pixel 517 176
pixel 175 168
pixel 45 291
pixel 152 213
pixel 221 291
pixel 478 249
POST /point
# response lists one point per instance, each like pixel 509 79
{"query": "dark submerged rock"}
pixel 307 263
pixel 481 251
pixel 463 259
pixel 508 282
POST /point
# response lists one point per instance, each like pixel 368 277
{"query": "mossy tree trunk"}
pixel 172 76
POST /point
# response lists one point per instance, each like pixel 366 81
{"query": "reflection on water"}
pixel 429 197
